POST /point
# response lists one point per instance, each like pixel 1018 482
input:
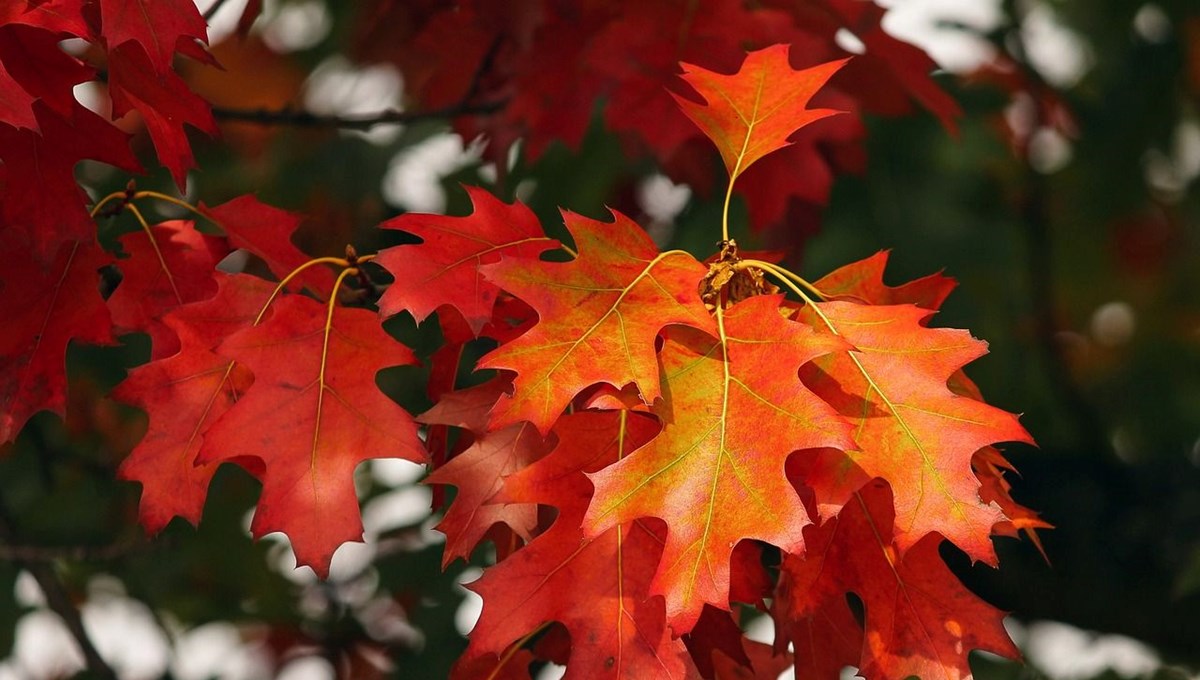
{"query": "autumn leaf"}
pixel 862 281
pixel 165 104
pixel 734 410
pixel 920 620
pixel 266 232
pixel 183 395
pixel 617 629
pixel 34 68
pixel 157 26
pixel 44 309
pixel 752 112
pixel 598 316
pixel 312 415
pixel 170 266
pixel 478 472
pixel 445 268
pixel 910 428
pixel 39 197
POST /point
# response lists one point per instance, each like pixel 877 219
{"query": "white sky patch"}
pixel 1113 323
pixel 402 507
pixel 218 650
pixel 295 26
pixel 551 671
pixel 1152 24
pixel 338 87
pixel 957 51
pixel 1058 53
pixel 307 668
pixel 393 472
pixel 413 180
pixel 468 612
pixel 1065 652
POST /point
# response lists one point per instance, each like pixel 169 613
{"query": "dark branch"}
pixel 301 118
pixel 59 602
pixel 212 10
pixel 78 553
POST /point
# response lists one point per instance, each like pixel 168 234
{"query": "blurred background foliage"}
pixel 1066 206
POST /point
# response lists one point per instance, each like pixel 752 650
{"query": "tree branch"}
pixel 59 601
pixel 302 118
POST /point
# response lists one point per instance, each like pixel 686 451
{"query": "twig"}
pixel 78 553
pixel 301 118
pixel 59 602
pixel 212 10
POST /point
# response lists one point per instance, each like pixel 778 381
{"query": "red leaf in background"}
pixel 33 67
pixel 444 268
pixel 56 16
pixel 266 231
pixel 173 269
pixel 598 316
pixel 312 415
pixel 158 26
pixel 478 472
pixel 746 117
pixel 183 395
pixel 920 620
pixel 165 104
pixel 889 65
pixel 733 411
pixel 44 309
pixel 617 630
pixel 39 197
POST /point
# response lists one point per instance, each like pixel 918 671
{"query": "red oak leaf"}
pixel 598 316
pixel 617 630
pixel 171 266
pixel 183 395
pixel 734 410
pixel 266 231
pixel 44 309
pixel 312 415
pixel 33 67
pixel 478 472
pixel 919 620
pixel 444 268
pixel 165 104
pixel 56 16
pixel 158 26
pixel 39 197
pixel 910 428
pixel 753 112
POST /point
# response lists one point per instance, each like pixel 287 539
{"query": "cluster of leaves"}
pixel 701 439
pixel 550 62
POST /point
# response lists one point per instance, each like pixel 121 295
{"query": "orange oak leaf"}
pixel 479 471
pixel 171 266
pixel 183 395
pixel 598 316
pixel 920 620
pixel 44 309
pixel 862 281
pixel 734 410
pixel 910 428
pixel 312 415
pixel 165 104
pixel 597 588
pixel 444 268
pixel 158 26
pixel 752 112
